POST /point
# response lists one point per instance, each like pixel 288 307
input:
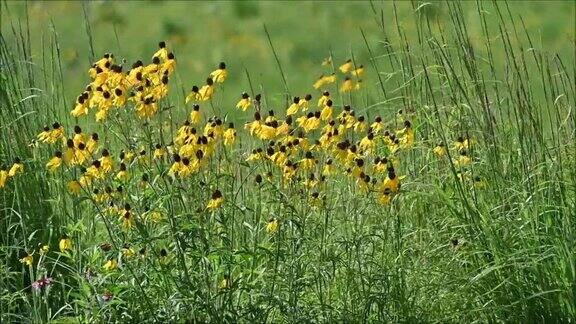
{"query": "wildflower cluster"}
pixel 124 179
pixel 314 143
pixel 462 160
pixel 111 88
pixel 131 177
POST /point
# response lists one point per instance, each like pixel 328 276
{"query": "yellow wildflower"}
pixel 216 201
pixel 65 244
pixel 219 75
pixel 110 265
pixel 16 168
pixel 55 162
pixel 27 260
pixel 244 102
pixel 440 150
pixel 346 67
pixel 272 225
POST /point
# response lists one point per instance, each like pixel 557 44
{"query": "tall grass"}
pixel 444 251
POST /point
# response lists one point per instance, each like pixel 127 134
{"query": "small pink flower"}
pixel 41 283
pixel 107 296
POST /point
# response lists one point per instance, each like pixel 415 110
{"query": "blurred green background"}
pixel 205 33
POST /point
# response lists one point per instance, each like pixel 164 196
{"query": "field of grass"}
pixel 435 181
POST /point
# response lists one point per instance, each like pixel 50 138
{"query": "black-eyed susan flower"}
pixel 347 85
pixel 81 154
pixel 159 152
pixel 272 225
pixel 289 170
pixel 44 135
pixel 142 157
pixel 358 168
pixel 225 283
pixel 315 199
pixel 85 179
pixel 151 70
pixel 100 196
pixel 385 196
pixel 219 75
pixel 294 107
pixel 323 99
pixel 367 143
pixel 17 167
pixel 74 187
pixel 254 126
pixel 480 183
pixel 363 181
pixel 123 174
pixel 176 165
pixel 69 152
pixel 27 260
pixel 359 124
pixel 303 103
pixel 119 99
pixel 463 159
pixel 43 249
pixel 284 127
pixel 328 168
pixel 229 135
pixel 106 162
pixel 81 107
pixel 162 52
pixel 462 143
pixel 346 67
pixel 3 176
pixel 440 150
pixel 187 167
pixel 312 122
pixel 92 143
pixel 161 89
pixel 324 80
pixel 244 102
pixel 391 182
pixel 126 217
pixel 79 136
pixel 205 93
pixel 311 181
pixel 194 95
pixel 406 135
pixel 215 201
pixel 358 72
pixel 110 265
pixel 54 162
pixel 65 244
pixel 308 162
pixel 380 165
pixel 127 251
pixel 377 125
pixel 256 154
pixel 126 156
pixel 147 107
pixel 94 171
pixel 56 133
pixel 327 111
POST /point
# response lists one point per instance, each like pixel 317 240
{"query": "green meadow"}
pixel 287 161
